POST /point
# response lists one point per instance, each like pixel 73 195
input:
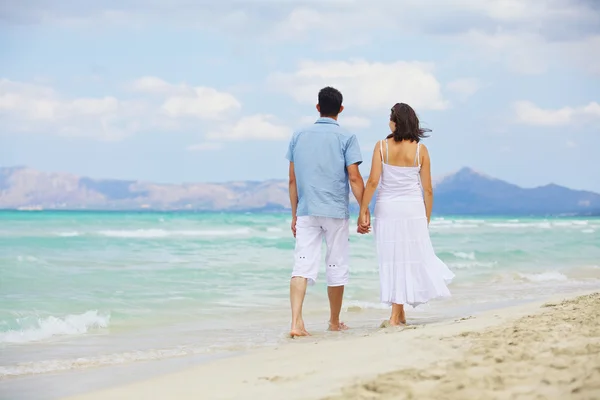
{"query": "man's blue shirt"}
pixel 320 154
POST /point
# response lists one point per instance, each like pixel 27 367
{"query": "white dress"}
pixel 409 271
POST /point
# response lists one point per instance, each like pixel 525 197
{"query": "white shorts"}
pixel 309 238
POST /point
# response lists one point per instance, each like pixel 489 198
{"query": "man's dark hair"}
pixel 330 102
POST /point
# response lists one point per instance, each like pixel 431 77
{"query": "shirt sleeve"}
pixel 352 153
pixel 290 152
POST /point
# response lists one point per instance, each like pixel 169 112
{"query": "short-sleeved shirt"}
pixel 321 153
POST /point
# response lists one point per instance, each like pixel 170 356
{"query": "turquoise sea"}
pixel 87 289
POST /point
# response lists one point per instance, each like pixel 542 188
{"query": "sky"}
pixel 210 91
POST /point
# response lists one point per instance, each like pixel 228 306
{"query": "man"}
pixel 324 158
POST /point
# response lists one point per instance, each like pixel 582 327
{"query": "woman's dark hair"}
pixel 407 124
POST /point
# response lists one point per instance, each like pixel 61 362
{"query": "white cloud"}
pixel 39 108
pixel 205 146
pixel 187 101
pixel 30 107
pixel 202 102
pixel 152 84
pixel 254 127
pixel 366 86
pixel 464 87
pixel 523 53
pixel 346 121
pixel 530 114
pixel 354 122
pixel 529 35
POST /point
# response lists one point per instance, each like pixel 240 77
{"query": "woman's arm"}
pixel 371 186
pixel 426 181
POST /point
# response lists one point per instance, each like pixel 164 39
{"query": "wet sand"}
pixel 545 350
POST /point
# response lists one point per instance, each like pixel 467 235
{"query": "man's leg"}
pixel 297 293
pixel 307 254
pixel 336 236
pixel 336 297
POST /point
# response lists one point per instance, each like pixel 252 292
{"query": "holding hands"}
pixel 364 222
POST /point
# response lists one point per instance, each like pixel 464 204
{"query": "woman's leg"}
pixel 398 317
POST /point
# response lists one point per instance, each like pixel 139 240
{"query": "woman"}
pixel 409 271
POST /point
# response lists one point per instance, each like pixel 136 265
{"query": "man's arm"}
pixel 293 189
pixel 358 189
pixel 357 183
pixel 353 158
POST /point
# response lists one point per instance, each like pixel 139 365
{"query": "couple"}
pixel 324 161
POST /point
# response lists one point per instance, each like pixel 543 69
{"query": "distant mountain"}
pixel 465 192
pixel 469 192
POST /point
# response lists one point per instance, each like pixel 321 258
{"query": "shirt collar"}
pixel 326 120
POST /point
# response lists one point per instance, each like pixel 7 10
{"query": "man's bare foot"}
pixel 397 323
pixel 338 327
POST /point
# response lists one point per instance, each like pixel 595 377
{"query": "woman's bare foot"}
pixel 398 317
pixel 402 319
pixel 338 327
pixel 298 330
pixel 397 323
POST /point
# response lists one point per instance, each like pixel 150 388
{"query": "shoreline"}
pixel 310 368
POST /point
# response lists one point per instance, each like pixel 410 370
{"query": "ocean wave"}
pixel 46 366
pixel 522 225
pixel 471 265
pixel 27 258
pixel 455 226
pixel 588 231
pixel 357 306
pixel 45 328
pixel 161 233
pixel 68 234
pixel 466 256
pixel 58 365
pixel 548 276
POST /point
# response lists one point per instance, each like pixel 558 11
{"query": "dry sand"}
pixel 534 351
pixel 551 355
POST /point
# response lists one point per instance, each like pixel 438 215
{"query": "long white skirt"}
pixel 409 271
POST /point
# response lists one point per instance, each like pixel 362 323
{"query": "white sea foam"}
pixel 68 234
pixel 26 258
pixel 579 222
pixel 41 367
pixel 440 222
pixel 522 225
pixel 570 223
pixel 356 306
pixel 588 231
pixel 548 276
pixel 45 328
pixel 471 265
pixel 466 256
pixel 161 233
pixel 454 226
pixel 273 230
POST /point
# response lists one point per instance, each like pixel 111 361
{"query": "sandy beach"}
pixel 547 350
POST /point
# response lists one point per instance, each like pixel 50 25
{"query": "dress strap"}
pixel 387 151
pixel 416 163
pixel 381 150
